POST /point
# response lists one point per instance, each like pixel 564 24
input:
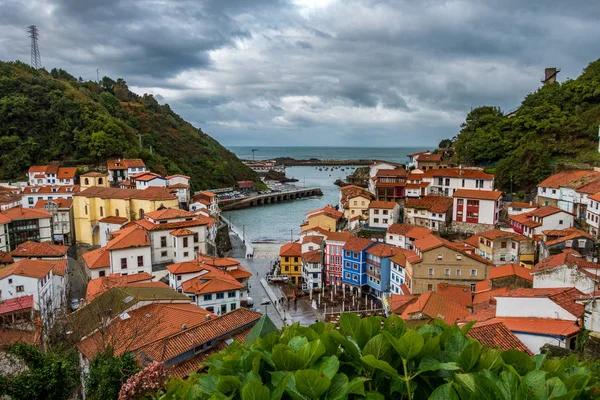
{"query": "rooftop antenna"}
pixel 253 150
pixel 36 59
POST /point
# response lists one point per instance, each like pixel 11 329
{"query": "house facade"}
pixel 334 244
pixel 355 263
pixel 539 220
pixel 431 212
pixel 592 216
pixel 382 214
pixel 32 194
pixel 568 190
pixel 567 269
pixel 404 235
pixel 290 258
pixel 63 227
pixel 390 184
pixel 445 181
pixel 312 268
pixel 557 240
pixel 26 224
pixel 378 269
pixel 477 206
pixel 51 174
pixel 120 170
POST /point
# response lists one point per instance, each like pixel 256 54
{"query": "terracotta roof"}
pixel 572 179
pixel 328 211
pixel 60 266
pixel 169 213
pixel 497 233
pixel 229 265
pixel 125 163
pixel 433 305
pixel 472 241
pixel 497 335
pixel 457 293
pixel 410 231
pixel 436 204
pixel 178 176
pixel 488 296
pixel 182 232
pixel 37 249
pixel 186 267
pixel 403 256
pixel 389 205
pixel 392 172
pixel 13 336
pixel 119 193
pixel 312 239
pixel 61 203
pixel 208 194
pixel 291 249
pixel 5 258
pixel 478 194
pixel 213 281
pixel 563 297
pixel 481 312
pixel 20 213
pixel 144 326
pixel 526 220
pixel 194 336
pixel 198 220
pixel 505 270
pixel 16 304
pixel 313 256
pixel 52 189
pixel 27 267
pixel 96 287
pixel 384 250
pixel 517 204
pixel 429 242
pixel 569 258
pixel 540 326
pixel 37 168
pixel 545 211
pixel 432 241
pixel 564 235
pixel 419 153
pixel 357 244
pixel 60 172
pixel 399 302
pixel 429 157
pixel 98 258
pixel 147 176
pixel 114 220
pixel 94 175
pixel 131 236
pixel 468 173
pixel 178 186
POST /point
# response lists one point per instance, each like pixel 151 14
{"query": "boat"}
pixel 320 169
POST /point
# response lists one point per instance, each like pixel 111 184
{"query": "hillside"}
pixel 556 124
pixel 52 115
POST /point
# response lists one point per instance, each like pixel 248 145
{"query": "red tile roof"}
pixel 186 267
pixel 52 168
pixel 505 270
pixel 130 236
pixel 16 304
pixel 156 194
pixel 433 305
pixel 488 296
pixel 387 205
pixel 468 173
pixel 60 189
pixel 400 302
pixel 572 179
pixel 328 211
pixel 492 195
pixel 563 297
pixel 198 220
pixel 213 281
pixel 100 285
pixel 5 258
pixel 20 213
pixel 146 176
pixel 403 256
pixel 357 244
pixel 392 173
pixel 125 163
pixel 98 258
pixel 94 174
pixel 436 204
pixel 169 213
pixel 182 232
pixel 61 203
pixel 312 239
pixel 518 204
pixel 497 335
pixel 114 220
pixel 473 241
pixel 546 211
pixel 429 157
pixel 564 235
pixel 410 231
pixel 29 268
pixel 13 336
pixel 496 233
pixel 540 326
pixel 37 249
pixel 291 249
pixel 569 258
pixel 457 293
pixel 313 256
pixel 384 250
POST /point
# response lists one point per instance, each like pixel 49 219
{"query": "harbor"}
pixel 269 198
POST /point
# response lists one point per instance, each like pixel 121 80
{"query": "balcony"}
pixel 374 274
pixel 374 263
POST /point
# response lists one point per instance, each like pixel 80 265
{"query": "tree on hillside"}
pixel 108 373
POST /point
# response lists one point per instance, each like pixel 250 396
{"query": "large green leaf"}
pixel 520 361
pixel 228 383
pixel 490 359
pixel 371 361
pixel 293 391
pixel 431 347
pixel 535 381
pixel 255 391
pixel 357 385
pixel 378 347
pixel 409 345
pixel 208 383
pixel 429 364
pixel 311 383
pixel 465 383
pixel 328 366
pixel 469 356
pixel 555 388
pixel 374 395
pixel 577 381
pixel 311 352
pixel 454 346
pixel 486 388
pixel 350 325
pixel 394 325
pixel 348 345
pixel 285 359
pixel 278 389
pixel 297 342
pixel 369 327
pixel 510 385
pixel 444 392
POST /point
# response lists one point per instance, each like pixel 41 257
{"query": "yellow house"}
pixel 357 205
pixel 95 203
pixel 290 256
pixel 326 218
pixel 93 179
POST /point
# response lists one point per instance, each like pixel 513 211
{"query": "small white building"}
pixel 27 224
pixel 32 194
pixel 567 269
pixel 516 208
pixel 181 185
pixel 382 214
pixel 97 263
pixel 120 170
pixel 144 180
pixel 205 200
pixel 592 217
pixel 404 235
pixel 4 237
pixel 373 168
pixel 108 225
pixel 446 181
pixel 312 269
pixel 63 224
pixel 51 174
pixel 477 206
pixel 541 219
pixel 398 276
pixel 412 158
pixel 432 212
pixel 130 251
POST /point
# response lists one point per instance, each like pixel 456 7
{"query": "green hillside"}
pixel 47 116
pixel 557 124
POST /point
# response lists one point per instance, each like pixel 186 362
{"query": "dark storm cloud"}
pixel 332 72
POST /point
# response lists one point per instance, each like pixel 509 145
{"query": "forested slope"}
pixel 47 116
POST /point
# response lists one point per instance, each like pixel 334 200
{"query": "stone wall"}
pixel 513 282
pixel 467 228
pixel 592 346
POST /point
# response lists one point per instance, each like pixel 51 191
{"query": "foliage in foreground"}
pixel 108 373
pixel 364 359
pixel 51 374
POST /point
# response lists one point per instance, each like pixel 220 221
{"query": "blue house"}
pixel 378 268
pixel 354 261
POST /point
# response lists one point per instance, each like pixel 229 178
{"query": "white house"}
pixel 398 276
pixel 42 279
pixel 130 251
pixel 403 235
pixel 541 219
pixel 32 194
pixel 144 180
pixel 432 212
pixel 4 237
pixel 540 316
pixel 39 251
pixel 569 190
pixel 516 208
pixel 476 206
pixel 412 158
pixel 312 267
pixel 28 224
pixel 382 214
pixel 63 226
pixel 97 263
pixel 373 168
pixel 181 185
pixel 120 170
pixel 205 200
pixel 51 174
pixel 567 269
pixel 108 225
pixel 592 216
pixel 445 181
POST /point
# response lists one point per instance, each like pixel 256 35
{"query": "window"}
pixel 196 239
pixel 355 277
pixel 20 289
pixel 87 181
pixel 296 268
pixel 101 274
pixel 123 263
pixel 473 272
pixel 503 245
pixel 430 287
pixel 347 254
pixel 220 296
pixel 376 220
pixel 459 257
pixel 560 222
pixel 232 307
pixel 347 276
pixel 178 277
pixel 430 272
pixel 569 243
pixel 391 238
pixel 186 253
pixel 376 211
pixel 207 297
pixel 385 212
pixel 463 183
pixel 99 181
pixel 117 212
pixel 458 272
pixel 30 200
pixel 101 211
pixel 355 255
pixel 581 242
pixel 10 281
pixel 140 261
pixel 447 272
pixel 440 256
pixel 163 253
pixel 223 308
pixel 513 245
pixel 185 242
pixel 163 241
pixel 86 210
pixel 502 257
pixel 231 295
pixel 141 213
pixel 355 266
pixel 347 264
pixel 553 191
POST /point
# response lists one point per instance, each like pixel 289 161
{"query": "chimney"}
pixel 208 317
pixel 183 327
pixel 550 75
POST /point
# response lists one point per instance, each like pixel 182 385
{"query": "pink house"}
pixel 334 243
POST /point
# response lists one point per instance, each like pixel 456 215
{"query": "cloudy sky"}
pixel 313 72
